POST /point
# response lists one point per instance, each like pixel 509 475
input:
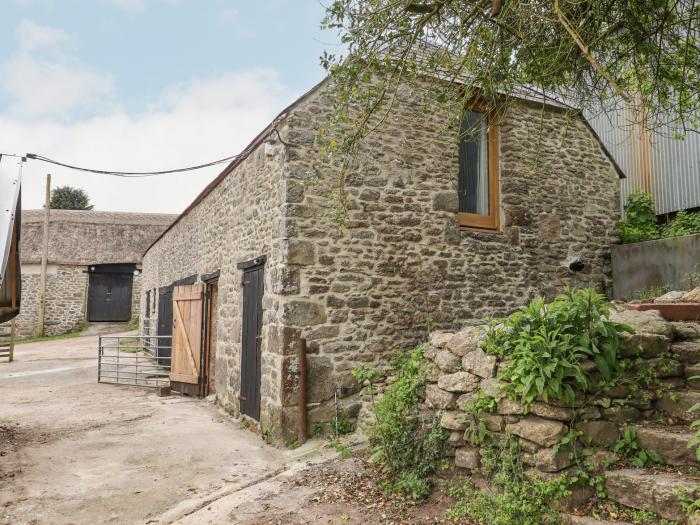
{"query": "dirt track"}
pixel 73 451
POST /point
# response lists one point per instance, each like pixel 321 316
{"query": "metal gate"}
pixel 109 292
pixel 134 360
pixel 164 321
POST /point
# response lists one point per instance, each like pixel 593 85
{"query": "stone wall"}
pixel 239 220
pixel 402 262
pixel 663 262
pixel 66 289
pixel 654 397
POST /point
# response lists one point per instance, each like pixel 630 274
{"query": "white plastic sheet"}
pixel 10 185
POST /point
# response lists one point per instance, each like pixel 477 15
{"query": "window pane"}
pixel 474 164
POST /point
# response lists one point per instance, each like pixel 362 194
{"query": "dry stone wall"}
pixel 655 398
pixel 402 263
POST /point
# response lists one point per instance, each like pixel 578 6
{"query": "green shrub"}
pixel 640 223
pixel 341 424
pixel 408 445
pixel 512 496
pixel 685 223
pixel 544 345
pixel 694 442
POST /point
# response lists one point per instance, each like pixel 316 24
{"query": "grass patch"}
pixel 130 346
pixel 69 335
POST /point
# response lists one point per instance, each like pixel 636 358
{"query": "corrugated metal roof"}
pixel 667 167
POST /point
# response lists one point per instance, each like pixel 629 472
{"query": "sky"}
pixel 134 85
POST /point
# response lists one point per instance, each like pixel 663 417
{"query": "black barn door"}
pixel 252 329
pixel 109 292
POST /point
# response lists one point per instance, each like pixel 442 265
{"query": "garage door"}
pixel 109 292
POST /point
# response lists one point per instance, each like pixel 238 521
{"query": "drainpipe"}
pixel 301 357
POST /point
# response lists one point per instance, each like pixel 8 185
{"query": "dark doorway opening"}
pixel 109 292
pixel 211 298
pixel 165 323
pixel 253 278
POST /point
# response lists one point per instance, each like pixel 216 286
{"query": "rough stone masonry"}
pixel 77 239
pixel 402 262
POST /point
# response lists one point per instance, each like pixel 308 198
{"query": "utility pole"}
pixel 44 260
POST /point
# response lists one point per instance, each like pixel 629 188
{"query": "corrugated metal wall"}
pixel 669 168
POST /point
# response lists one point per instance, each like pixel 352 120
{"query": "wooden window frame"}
pixel 490 222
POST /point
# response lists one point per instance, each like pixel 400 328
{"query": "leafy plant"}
pixel 317 429
pixel 341 425
pixel 694 442
pixel 367 372
pixel 512 496
pixel 684 223
pixel 407 445
pixel 568 439
pixel 689 504
pixel 341 448
pixel 640 222
pixel 544 345
pixel 651 293
pixel 637 455
pixel 482 403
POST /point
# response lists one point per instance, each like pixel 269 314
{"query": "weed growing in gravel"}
pixel 512 496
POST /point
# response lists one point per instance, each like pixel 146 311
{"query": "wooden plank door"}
pixel 252 329
pixel 187 334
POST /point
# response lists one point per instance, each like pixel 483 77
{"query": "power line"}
pixel 127 174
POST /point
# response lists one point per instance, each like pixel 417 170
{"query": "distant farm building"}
pixel 93 270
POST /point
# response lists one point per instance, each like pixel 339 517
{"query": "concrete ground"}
pixel 73 451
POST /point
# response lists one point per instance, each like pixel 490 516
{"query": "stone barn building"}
pixel 438 233
pixel 93 270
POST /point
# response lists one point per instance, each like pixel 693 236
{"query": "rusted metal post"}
pixel 13 333
pixel 301 357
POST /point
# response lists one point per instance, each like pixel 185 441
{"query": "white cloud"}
pixel 193 123
pixel 41 79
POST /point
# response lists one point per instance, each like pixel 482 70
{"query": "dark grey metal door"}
pixel 109 292
pixel 251 337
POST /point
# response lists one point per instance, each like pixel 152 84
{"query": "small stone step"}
pixel 678 405
pixel 670 442
pixel 653 492
pixel 570 519
pixel 687 352
pixel 686 330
